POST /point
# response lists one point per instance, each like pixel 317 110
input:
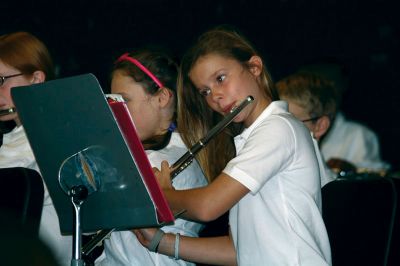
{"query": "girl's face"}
pixel 225 83
pixel 6 101
pixel 142 106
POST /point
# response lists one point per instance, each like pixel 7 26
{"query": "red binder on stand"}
pixel 79 138
pixel 125 122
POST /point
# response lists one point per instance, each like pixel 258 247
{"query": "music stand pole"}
pixel 78 195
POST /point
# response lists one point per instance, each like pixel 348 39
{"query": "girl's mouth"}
pixel 230 108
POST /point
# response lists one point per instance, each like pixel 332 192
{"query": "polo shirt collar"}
pixel 275 107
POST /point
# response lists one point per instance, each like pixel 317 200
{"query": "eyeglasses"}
pixel 3 79
pixel 312 119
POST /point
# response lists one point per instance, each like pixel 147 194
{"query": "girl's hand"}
pixel 164 177
pixel 145 235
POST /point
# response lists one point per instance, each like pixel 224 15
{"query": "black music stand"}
pixel 84 158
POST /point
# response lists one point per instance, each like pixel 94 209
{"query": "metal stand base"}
pixel 78 195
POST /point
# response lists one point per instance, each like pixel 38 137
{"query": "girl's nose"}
pixel 216 93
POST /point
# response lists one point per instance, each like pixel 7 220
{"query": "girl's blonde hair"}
pixel 315 94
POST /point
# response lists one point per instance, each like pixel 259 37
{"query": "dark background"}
pixel 87 36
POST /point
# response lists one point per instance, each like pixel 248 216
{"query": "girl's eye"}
pixel 221 78
pixel 205 91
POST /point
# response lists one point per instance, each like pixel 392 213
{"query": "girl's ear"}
pixel 38 77
pixel 256 65
pixel 164 96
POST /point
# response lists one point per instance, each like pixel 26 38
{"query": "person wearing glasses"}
pixel 347 140
pixel 311 99
pixel 25 60
pixel 146 80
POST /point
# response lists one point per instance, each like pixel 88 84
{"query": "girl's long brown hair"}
pixel 195 118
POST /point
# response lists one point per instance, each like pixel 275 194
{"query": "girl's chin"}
pixel 5 118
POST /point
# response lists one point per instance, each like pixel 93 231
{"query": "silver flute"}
pixel 7 111
pixel 188 157
pixel 180 164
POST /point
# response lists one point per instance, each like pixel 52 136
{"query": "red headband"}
pixel 126 57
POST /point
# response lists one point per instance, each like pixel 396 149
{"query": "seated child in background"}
pixel 347 142
pixel 25 60
pixel 147 82
pixel 311 99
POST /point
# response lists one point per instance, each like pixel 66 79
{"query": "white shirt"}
pixel 279 222
pixel 354 143
pixel 326 174
pixel 16 152
pixel 123 248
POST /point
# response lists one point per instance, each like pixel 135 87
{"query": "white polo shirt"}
pixel 279 222
pixel 355 143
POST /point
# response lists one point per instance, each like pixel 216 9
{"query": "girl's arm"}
pixel 211 250
pixel 205 203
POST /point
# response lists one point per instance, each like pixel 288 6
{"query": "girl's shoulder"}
pixel 281 128
pixel 280 122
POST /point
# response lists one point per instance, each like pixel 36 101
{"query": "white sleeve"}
pixel 269 148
